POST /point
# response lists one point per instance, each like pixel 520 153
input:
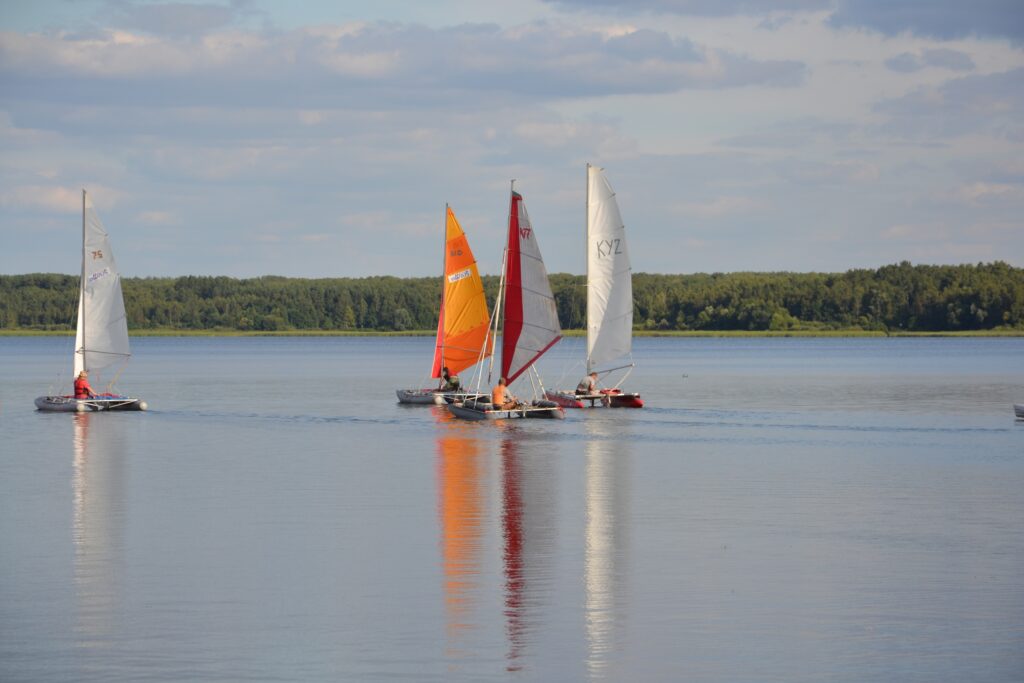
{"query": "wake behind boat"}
pixel 462 321
pixel 101 336
pixel 530 323
pixel 609 302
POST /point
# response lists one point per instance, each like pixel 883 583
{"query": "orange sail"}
pixel 463 323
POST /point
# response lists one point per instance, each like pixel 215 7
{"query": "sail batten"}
pixel 609 275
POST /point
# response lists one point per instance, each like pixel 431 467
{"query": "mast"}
pixel 444 280
pixel 586 254
pixel 81 288
pixel 500 299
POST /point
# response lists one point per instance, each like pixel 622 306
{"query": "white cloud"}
pixel 747 138
pixel 719 206
pixel 157 218
pixel 54 199
pixel 980 192
pixel 58 199
pixel 304 67
pixel 906 232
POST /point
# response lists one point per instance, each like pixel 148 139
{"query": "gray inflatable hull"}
pixel 68 404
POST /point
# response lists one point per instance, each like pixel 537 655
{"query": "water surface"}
pixel 783 509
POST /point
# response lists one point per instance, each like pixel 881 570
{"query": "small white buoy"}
pixel 143 405
pixel 81 407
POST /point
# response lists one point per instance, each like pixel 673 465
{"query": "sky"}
pixel 324 138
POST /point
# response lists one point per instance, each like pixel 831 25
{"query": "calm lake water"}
pixel 783 510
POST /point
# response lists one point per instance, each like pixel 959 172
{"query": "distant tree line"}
pixel 897 297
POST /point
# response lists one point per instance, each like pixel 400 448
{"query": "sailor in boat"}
pixel 501 399
pixel 82 388
pixel 587 385
pixel 449 382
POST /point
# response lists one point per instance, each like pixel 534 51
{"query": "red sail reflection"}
pixel 512 532
pixel 529 524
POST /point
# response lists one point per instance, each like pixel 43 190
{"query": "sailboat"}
pixel 462 322
pixel 609 298
pixel 101 337
pixel 530 317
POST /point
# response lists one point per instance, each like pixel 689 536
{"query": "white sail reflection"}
pixel 607 505
pixel 97 525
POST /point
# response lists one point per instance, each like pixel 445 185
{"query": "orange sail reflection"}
pixel 461 508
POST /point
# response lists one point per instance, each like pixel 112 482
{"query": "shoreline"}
pixel 841 333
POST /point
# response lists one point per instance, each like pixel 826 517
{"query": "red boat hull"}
pixel 610 398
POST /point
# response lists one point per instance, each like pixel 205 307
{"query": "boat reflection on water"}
pixel 606 543
pixel 462 511
pixel 98 523
pixel 528 524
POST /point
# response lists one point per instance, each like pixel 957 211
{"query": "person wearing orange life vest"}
pixel 501 398
pixel 82 388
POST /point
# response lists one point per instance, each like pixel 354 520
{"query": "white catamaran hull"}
pixel 606 399
pixel 1018 410
pixel 479 410
pixel 69 404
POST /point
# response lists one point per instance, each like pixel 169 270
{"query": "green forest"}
pixel 903 297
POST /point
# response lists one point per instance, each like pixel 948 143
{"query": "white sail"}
pixel 609 276
pixel 102 335
pixel 531 316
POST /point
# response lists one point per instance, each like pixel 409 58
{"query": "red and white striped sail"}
pixel 531 318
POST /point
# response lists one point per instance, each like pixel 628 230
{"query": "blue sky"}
pixel 319 139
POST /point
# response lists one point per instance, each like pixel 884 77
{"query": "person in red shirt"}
pixel 82 388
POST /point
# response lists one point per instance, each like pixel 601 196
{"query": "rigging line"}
pixel 563 380
pixel 479 370
pixel 540 382
pixel 117 375
pixel 106 353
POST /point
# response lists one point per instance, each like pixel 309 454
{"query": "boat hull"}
pixel 606 399
pixel 69 404
pixel 423 397
pixel 1018 410
pixel 433 397
pixel 460 397
pixel 478 410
